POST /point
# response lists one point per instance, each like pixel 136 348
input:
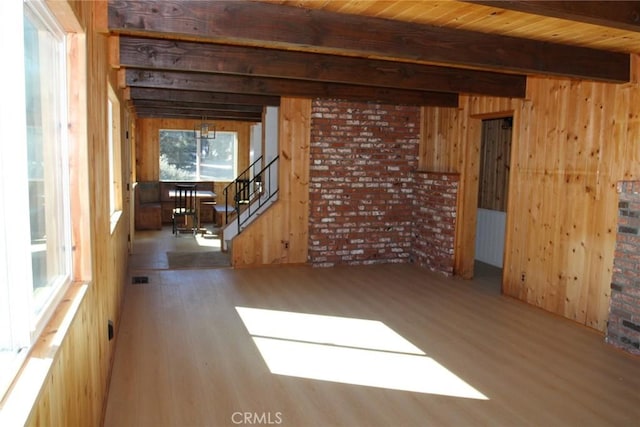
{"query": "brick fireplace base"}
pixel 623 329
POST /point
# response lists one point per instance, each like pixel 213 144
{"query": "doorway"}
pixel 493 188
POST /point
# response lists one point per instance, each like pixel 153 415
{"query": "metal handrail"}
pixel 226 189
pixel 255 189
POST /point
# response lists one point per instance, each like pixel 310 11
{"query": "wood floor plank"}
pixel 184 357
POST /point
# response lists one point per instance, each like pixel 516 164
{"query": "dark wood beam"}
pixel 296 28
pixel 150 112
pixel 165 54
pixel 283 87
pixel 623 15
pixel 256 109
pixel 142 93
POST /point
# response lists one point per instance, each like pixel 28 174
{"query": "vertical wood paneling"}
pixel 440 151
pixel 147 150
pixel 572 141
pixel 280 235
pixel 471 128
pixel 494 167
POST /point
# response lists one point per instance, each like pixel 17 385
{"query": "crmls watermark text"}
pixel 256 418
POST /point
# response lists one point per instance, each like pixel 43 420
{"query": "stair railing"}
pixel 252 192
pixel 244 175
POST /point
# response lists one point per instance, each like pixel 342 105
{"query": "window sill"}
pixel 19 400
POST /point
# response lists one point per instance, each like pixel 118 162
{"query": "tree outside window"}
pixel 183 157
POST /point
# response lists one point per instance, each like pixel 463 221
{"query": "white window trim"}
pixel 60 288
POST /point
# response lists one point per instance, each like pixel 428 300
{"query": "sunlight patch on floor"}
pixel 208 240
pixel 348 350
pixel 342 331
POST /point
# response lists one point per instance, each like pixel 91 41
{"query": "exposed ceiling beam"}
pixel 624 15
pixel 149 112
pixel 276 87
pixel 141 94
pixel 165 54
pixel 277 26
pixel 213 108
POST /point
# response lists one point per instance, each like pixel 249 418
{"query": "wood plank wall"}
pixel 572 141
pixel 76 386
pixel 439 145
pixel 281 234
pixel 148 146
pixel 495 153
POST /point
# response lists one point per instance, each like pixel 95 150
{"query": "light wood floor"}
pixel 150 247
pixel 184 357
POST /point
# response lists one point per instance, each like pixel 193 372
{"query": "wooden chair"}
pixel 185 206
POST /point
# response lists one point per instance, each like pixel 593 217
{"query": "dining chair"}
pixel 185 207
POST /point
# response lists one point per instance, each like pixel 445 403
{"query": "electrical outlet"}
pixel 110 330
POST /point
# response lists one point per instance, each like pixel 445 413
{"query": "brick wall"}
pixel 434 214
pixel 623 329
pixel 362 187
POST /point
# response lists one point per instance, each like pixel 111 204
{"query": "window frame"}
pixel 115 157
pixel 57 153
pixel 198 150
pixel 15 241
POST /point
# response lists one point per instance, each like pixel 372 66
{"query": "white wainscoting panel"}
pixel 490 231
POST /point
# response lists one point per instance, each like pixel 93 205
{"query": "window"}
pixel 47 157
pixel 183 157
pixel 115 158
pixel 35 227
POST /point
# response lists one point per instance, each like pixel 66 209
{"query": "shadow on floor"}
pixel 155 249
pixel 487 277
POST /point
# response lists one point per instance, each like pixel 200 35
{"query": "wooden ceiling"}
pixel 226 60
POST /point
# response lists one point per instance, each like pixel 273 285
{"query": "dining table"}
pixel 207 196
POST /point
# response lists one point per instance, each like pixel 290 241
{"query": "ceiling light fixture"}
pixel 205 131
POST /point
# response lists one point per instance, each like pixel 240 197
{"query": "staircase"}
pixel 250 194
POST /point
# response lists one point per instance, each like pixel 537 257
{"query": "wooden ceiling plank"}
pixel 454 14
pixel 276 26
pixel 165 54
pixel 623 15
pixel 283 87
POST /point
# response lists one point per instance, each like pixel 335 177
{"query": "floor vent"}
pixel 137 280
